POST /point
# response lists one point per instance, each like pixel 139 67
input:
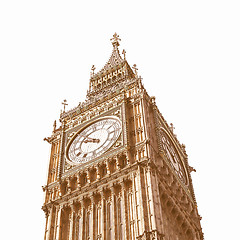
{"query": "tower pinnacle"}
pixel 115 40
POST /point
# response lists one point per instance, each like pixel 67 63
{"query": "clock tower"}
pixel 116 169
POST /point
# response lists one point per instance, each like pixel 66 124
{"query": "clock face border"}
pixel 82 129
pixel 183 165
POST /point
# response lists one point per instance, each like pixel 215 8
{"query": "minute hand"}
pixel 93 140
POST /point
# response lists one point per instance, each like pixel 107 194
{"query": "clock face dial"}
pixel 173 157
pixel 94 140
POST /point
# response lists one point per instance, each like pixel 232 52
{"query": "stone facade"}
pixel 139 187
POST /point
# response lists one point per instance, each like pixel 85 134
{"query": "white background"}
pixel 188 53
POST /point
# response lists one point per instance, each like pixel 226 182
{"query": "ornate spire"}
pixel 115 59
pixel 113 72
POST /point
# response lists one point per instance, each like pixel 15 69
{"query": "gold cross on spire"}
pixel 64 103
pixel 115 40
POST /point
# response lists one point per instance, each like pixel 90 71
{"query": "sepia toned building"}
pixel 116 169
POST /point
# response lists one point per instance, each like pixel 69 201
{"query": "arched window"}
pixel 108 222
pixel 119 219
pixel 131 216
pixel 97 220
pixel 64 224
pixel 86 224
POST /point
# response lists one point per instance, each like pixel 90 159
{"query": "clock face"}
pixel 173 157
pixel 94 140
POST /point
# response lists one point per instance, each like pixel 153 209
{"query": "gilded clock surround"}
pixel 112 123
pixel 130 191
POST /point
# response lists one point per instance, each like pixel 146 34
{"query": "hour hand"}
pixel 93 140
pixel 79 153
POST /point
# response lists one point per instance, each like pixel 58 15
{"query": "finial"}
pixel 54 125
pixel 115 40
pixel 124 54
pixel 140 82
pixel 172 127
pixel 191 169
pixel 153 99
pixel 64 103
pixel 93 69
pixel 135 68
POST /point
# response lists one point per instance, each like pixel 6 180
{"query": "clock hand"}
pixel 78 154
pixel 93 140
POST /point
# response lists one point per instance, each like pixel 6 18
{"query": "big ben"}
pixel 117 170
